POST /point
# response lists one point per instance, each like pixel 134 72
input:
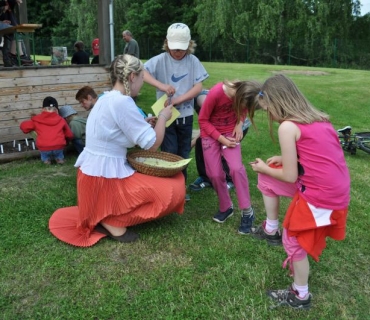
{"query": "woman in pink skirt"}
pixel 111 195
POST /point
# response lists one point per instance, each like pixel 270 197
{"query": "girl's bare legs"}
pixel 269 230
pixel 301 271
pixel 297 296
pixel 271 207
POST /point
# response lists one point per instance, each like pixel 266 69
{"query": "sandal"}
pixel 128 236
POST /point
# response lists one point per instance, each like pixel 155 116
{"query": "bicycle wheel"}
pixel 347 142
pixel 363 141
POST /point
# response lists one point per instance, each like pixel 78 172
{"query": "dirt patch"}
pixel 17 146
pixel 303 72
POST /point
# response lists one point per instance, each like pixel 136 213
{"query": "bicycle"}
pixel 351 142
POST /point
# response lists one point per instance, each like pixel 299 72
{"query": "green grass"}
pixel 185 266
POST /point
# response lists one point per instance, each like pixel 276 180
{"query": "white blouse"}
pixel 114 124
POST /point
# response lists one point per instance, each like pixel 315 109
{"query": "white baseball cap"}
pixel 178 36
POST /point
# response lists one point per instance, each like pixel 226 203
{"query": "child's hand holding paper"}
pixel 157 107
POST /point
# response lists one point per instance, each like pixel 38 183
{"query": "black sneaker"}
pixel 290 297
pixel 260 233
pixel 246 222
pixel 230 185
pixel 199 184
pixel 221 217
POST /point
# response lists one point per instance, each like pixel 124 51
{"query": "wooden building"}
pixel 23 89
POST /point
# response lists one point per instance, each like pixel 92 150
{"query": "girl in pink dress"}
pixel 313 171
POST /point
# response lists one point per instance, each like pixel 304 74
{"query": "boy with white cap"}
pixel 77 125
pixel 179 74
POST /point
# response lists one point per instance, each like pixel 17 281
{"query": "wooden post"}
pixel 23 18
pixel 104 32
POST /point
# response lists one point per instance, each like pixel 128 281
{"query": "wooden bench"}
pixel 22 29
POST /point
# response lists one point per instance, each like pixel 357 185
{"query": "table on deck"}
pixel 17 30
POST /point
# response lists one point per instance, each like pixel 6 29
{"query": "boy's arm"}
pixel 168 89
pixel 27 126
pixel 191 94
pixel 68 132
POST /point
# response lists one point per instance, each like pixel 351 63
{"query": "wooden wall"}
pixel 22 91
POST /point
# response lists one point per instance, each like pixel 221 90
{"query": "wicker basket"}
pixel 152 170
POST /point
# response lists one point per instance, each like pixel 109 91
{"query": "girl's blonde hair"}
pixel 246 97
pixel 284 101
pixel 121 69
pixel 190 50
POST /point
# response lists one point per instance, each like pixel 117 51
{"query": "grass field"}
pixel 185 266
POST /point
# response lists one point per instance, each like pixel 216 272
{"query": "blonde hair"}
pixel 121 69
pixel 245 97
pixel 284 101
pixel 51 109
pixel 190 50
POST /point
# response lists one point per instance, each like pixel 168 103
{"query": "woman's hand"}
pixel 166 112
pixel 151 120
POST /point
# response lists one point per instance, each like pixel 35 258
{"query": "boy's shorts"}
pixel 204 92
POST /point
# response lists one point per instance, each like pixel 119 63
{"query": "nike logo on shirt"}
pixel 177 79
pixel 205 75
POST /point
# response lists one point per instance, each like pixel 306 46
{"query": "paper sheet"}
pixel 164 164
pixel 159 105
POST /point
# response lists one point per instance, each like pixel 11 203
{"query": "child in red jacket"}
pixel 52 131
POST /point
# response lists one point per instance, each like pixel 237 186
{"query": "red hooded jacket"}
pixel 52 131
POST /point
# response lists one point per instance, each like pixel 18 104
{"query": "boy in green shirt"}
pixel 77 125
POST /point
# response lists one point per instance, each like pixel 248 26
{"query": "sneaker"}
pixel 230 185
pixel 273 239
pixel 290 297
pixel 246 223
pixel 187 198
pixel 199 184
pixel 60 161
pixel 47 162
pixel 221 217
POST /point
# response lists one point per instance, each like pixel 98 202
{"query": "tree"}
pixel 274 25
pixel 57 29
pixel 85 14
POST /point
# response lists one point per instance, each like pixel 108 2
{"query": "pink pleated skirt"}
pixel 116 202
